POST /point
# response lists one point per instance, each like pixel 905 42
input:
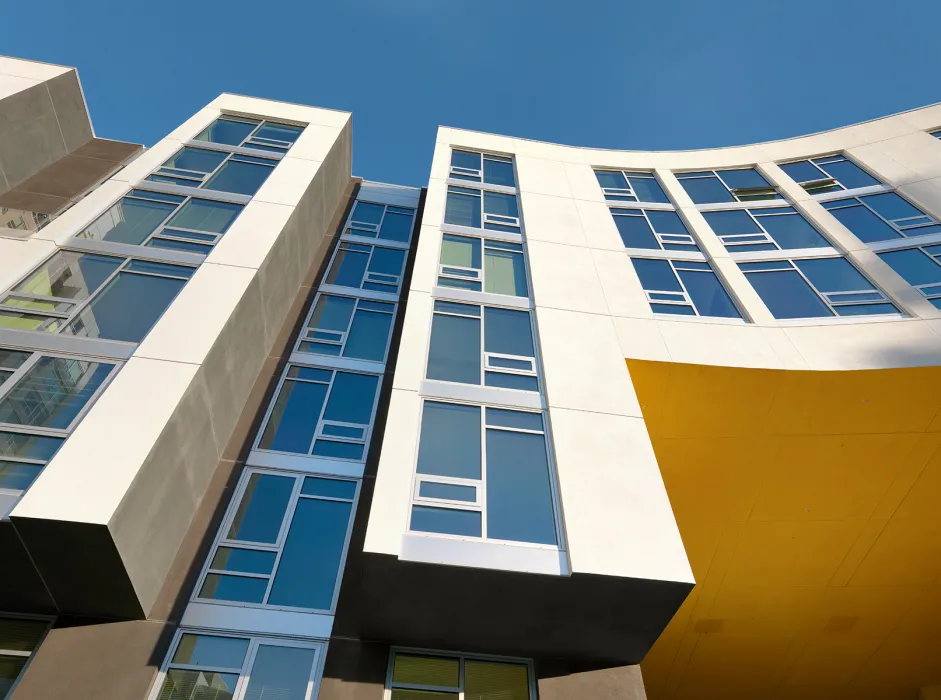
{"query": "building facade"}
pixel 564 424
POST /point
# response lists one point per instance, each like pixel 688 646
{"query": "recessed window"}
pixel 769 228
pixel 653 229
pixel 482 167
pixel 93 296
pixel 321 412
pixel 161 220
pixel 828 174
pixel 882 217
pixel 715 186
pixel 630 186
pixel 936 134
pixel 433 676
pixel 19 638
pixel 482 209
pixel 684 288
pixel 363 266
pixel 348 327
pixel 461 444
pixel 471 344
pixel 213 666
pixel 920 267
pixel 815 287
pixel 502 270
pixel 382 221
pixel 282 543
pixel 259 134
pixel 215 170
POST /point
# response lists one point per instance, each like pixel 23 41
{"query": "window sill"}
pixel 257 620
pixel 479 554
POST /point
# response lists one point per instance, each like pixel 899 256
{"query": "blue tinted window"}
pixel 636 232
pixel 666 221
pixel 367 213
pixel 465 159
pixel 239 177
pixel 261 510
pixel 863 224
pixel 501 204
pixel 705 190
pixel 331 488
pixel 294 417
pixel 743 179
pixel 279 132
pixel 198 159
pixel 647 189
pixel 28 446
pixel 227 131
pixel 129 221
pixel 833 275
pixel 499 173
pixel 454 352
pixel 891 206
pixel 791 230
pixel 448 492
pixel 708 294
pixel 735 221
pixel 803 171
pixel 450 440
pixel 278 673
pixel 206 650
pixel 609 179
pixel 351 398
pixel 787 295
pixel 508 332
pixel 914 266
pixel 446 521
pixel 251 561
pixel 368 336
pixel 396 227
pixel 349 266
pixel 463 207
pixel 205 215
pixel 519 497
pixel 514 419
pixel 849 174
pixel 656 275
pixel 511 381
pixel 240 589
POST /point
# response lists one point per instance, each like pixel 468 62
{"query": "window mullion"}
pixel 283 533
pixel 482 498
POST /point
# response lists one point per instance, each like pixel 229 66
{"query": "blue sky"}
pixel 629 74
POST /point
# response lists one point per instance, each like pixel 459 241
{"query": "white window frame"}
pixel 661 238
pixel 358 231
pixel 485 217
pixel 828 180
pixel 742 194
pixel 731 241
pixel 901 226
pixel 929 290
pixel 479 274
pixel 627 194
pixel 673 298
pixel 393 282
pixel 462 174
pixel 251 139
pixel 197 179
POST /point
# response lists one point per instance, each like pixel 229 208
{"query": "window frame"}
pixel 221 539
pixel 733 248
pixel 619 209
pixel 28 655
pixel 352 235
pixel 461 657
pixel 255 640
pixel 350 245
pixel 197 179
pixel 628 195
pixel 684 298
pixel 741 195
pixel 811 186
pixel 459 173
pixel 858 200
pixel 306 329
pixel 511 222
pixel 259 123
pixel 921 288
pixel 490 242
pixel 480 504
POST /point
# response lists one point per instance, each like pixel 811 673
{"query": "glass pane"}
pixel 226 131
pixel 279 132
pixel 53 392
pixel 400 694
pixel 514 419
pixel 204 215
pixel 450 440
pixel 462 210
pixel 261 510
pixel 656 275
pixel 179 245
pixel 787 295
pixel 70 275
pixel 913 265
pixel 310 562
pixel 348 268
pixel 865 309
pixel 294 417
pixel 28 446
pixel 280 673
pixel 28 322
pixel 21 635
pixel 499 173
pixel 500 204
pixel 793 231
pixel 17 476
pixel 10 669
pixel 332 313
pixel 239 178
pixel 437 671
pixel 891 206
pixel 206 650
pixel 865 225
pixel 666 222
pixel 850 175
pixel 249 561
pixel 519 382
pixel 504 273
pixel 449 492
pixel 803 171
pixel 460 251
pixel 488 680
pixel 197 685
pixel 387 261
pixel 198 159
pixel 396 227
pixel 609 179
pixel 508 332
pixel 833 275
pixel 368 213
pixel 647 189
pixel 11 359
pixel 726 223
pixel 368 336
pixel 129 221
pixel 127 308
pixel 454 352
pixel 675 309
pixel 241 589
pixel 465 159
pixel 705 190
pixel 519 498
pixel 338 450
pixel 636 232
pixel 708 294
pixel 446 521
pixel 331 488
pixel 352 398
pixel 739 179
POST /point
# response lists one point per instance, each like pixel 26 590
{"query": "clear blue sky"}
pixel 650 74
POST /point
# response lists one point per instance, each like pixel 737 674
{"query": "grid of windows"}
pixel 684 288
pixel 631 186
pixel 715 186
pixel 502 270
pixel 221 171
pixel 815 287
pixel 828 174
pixel 482 167
pixel 920 267
pixel 93 296
pixel 282 543
pixel 425 675
pixel 19 638
pixel 653 229
pixel 260 134
pixel 766 228
pixel 497 211
pixel 882 217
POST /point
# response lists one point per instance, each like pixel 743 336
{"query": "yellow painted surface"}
pixel 810 507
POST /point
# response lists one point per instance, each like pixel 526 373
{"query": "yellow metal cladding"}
pixel 810 506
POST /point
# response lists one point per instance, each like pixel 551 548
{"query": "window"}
pixel 282 543
pixel 653 229
pixel 497 211
pixel 164 221
pixel 770 228
pixel 94 296
pixel 815 287
pixel 348 327
pixel 628 186
pixel 323 412
pixel 684 288
pixel 828 174
pixel 920 267
pixel 433 676
pixel 881 217
pixel 369 267
pixel 216 667
pixel 936 134
pixel 496 170
pixel 504 353
pixel 215 170
pixel 713 186
pixel 491 483
pixel 19 638
pixel 503 271
pixel 251 133
pixel 381 221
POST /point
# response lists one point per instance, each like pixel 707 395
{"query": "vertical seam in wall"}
pixel 56 115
